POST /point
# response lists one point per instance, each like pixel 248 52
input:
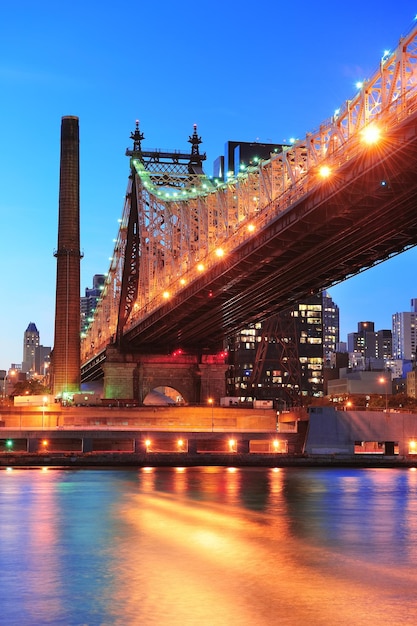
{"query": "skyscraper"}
pixel 331 327
pixel 357 341
pixel 404 333
pixel 369 349
pixel 280 359
pixel 30 343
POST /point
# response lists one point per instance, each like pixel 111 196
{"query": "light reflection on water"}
pixel 208 546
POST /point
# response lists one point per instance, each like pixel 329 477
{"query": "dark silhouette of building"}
pixel 238 155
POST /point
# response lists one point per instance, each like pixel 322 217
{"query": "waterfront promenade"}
pixel 190 418
pixel 191 436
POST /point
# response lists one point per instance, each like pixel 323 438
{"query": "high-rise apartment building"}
pixel 404 333
pixel 379 345
pixel 30 343
pixel 331 327
pixel 42 360
pixel 369 349
pixel 89 301
pixel 280 359
pixel 357 341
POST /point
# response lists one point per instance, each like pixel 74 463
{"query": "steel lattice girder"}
pixel 178 233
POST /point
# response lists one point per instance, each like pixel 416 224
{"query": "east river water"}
pixel 208 547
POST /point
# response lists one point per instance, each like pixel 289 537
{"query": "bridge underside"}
pixel 365 213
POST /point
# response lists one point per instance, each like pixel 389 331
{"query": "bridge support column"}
pixel 118 380
pixel 213 381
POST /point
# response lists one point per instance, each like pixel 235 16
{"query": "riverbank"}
pixel 102 460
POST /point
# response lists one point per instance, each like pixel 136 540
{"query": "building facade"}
pixel 89 301
pixel 42 360
pixel 331 327
pixel 404 335
pixel 369 349
pixel 280 359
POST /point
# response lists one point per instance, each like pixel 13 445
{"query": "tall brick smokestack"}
pixel 66 352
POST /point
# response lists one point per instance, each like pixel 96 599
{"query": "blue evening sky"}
pixel 243 71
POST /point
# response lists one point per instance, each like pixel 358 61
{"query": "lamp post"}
pixel 384 381
pixel 211 402
pixel 44 401
pixel 45 373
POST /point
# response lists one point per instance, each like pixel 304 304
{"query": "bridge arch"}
pixel 164 396
pixel 181 377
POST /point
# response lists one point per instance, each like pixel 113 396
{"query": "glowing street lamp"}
pixel 232 445
pixel 384 381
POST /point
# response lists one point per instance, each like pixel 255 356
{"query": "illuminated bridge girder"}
pixel 308 233
pixel 336 240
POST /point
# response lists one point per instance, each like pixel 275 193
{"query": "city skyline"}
pixel 53 66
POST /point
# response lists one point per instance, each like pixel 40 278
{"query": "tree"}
pixel 30 387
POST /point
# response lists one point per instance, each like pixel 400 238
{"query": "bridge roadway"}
pixel 362 214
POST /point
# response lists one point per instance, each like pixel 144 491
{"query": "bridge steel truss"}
pixel 179 229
